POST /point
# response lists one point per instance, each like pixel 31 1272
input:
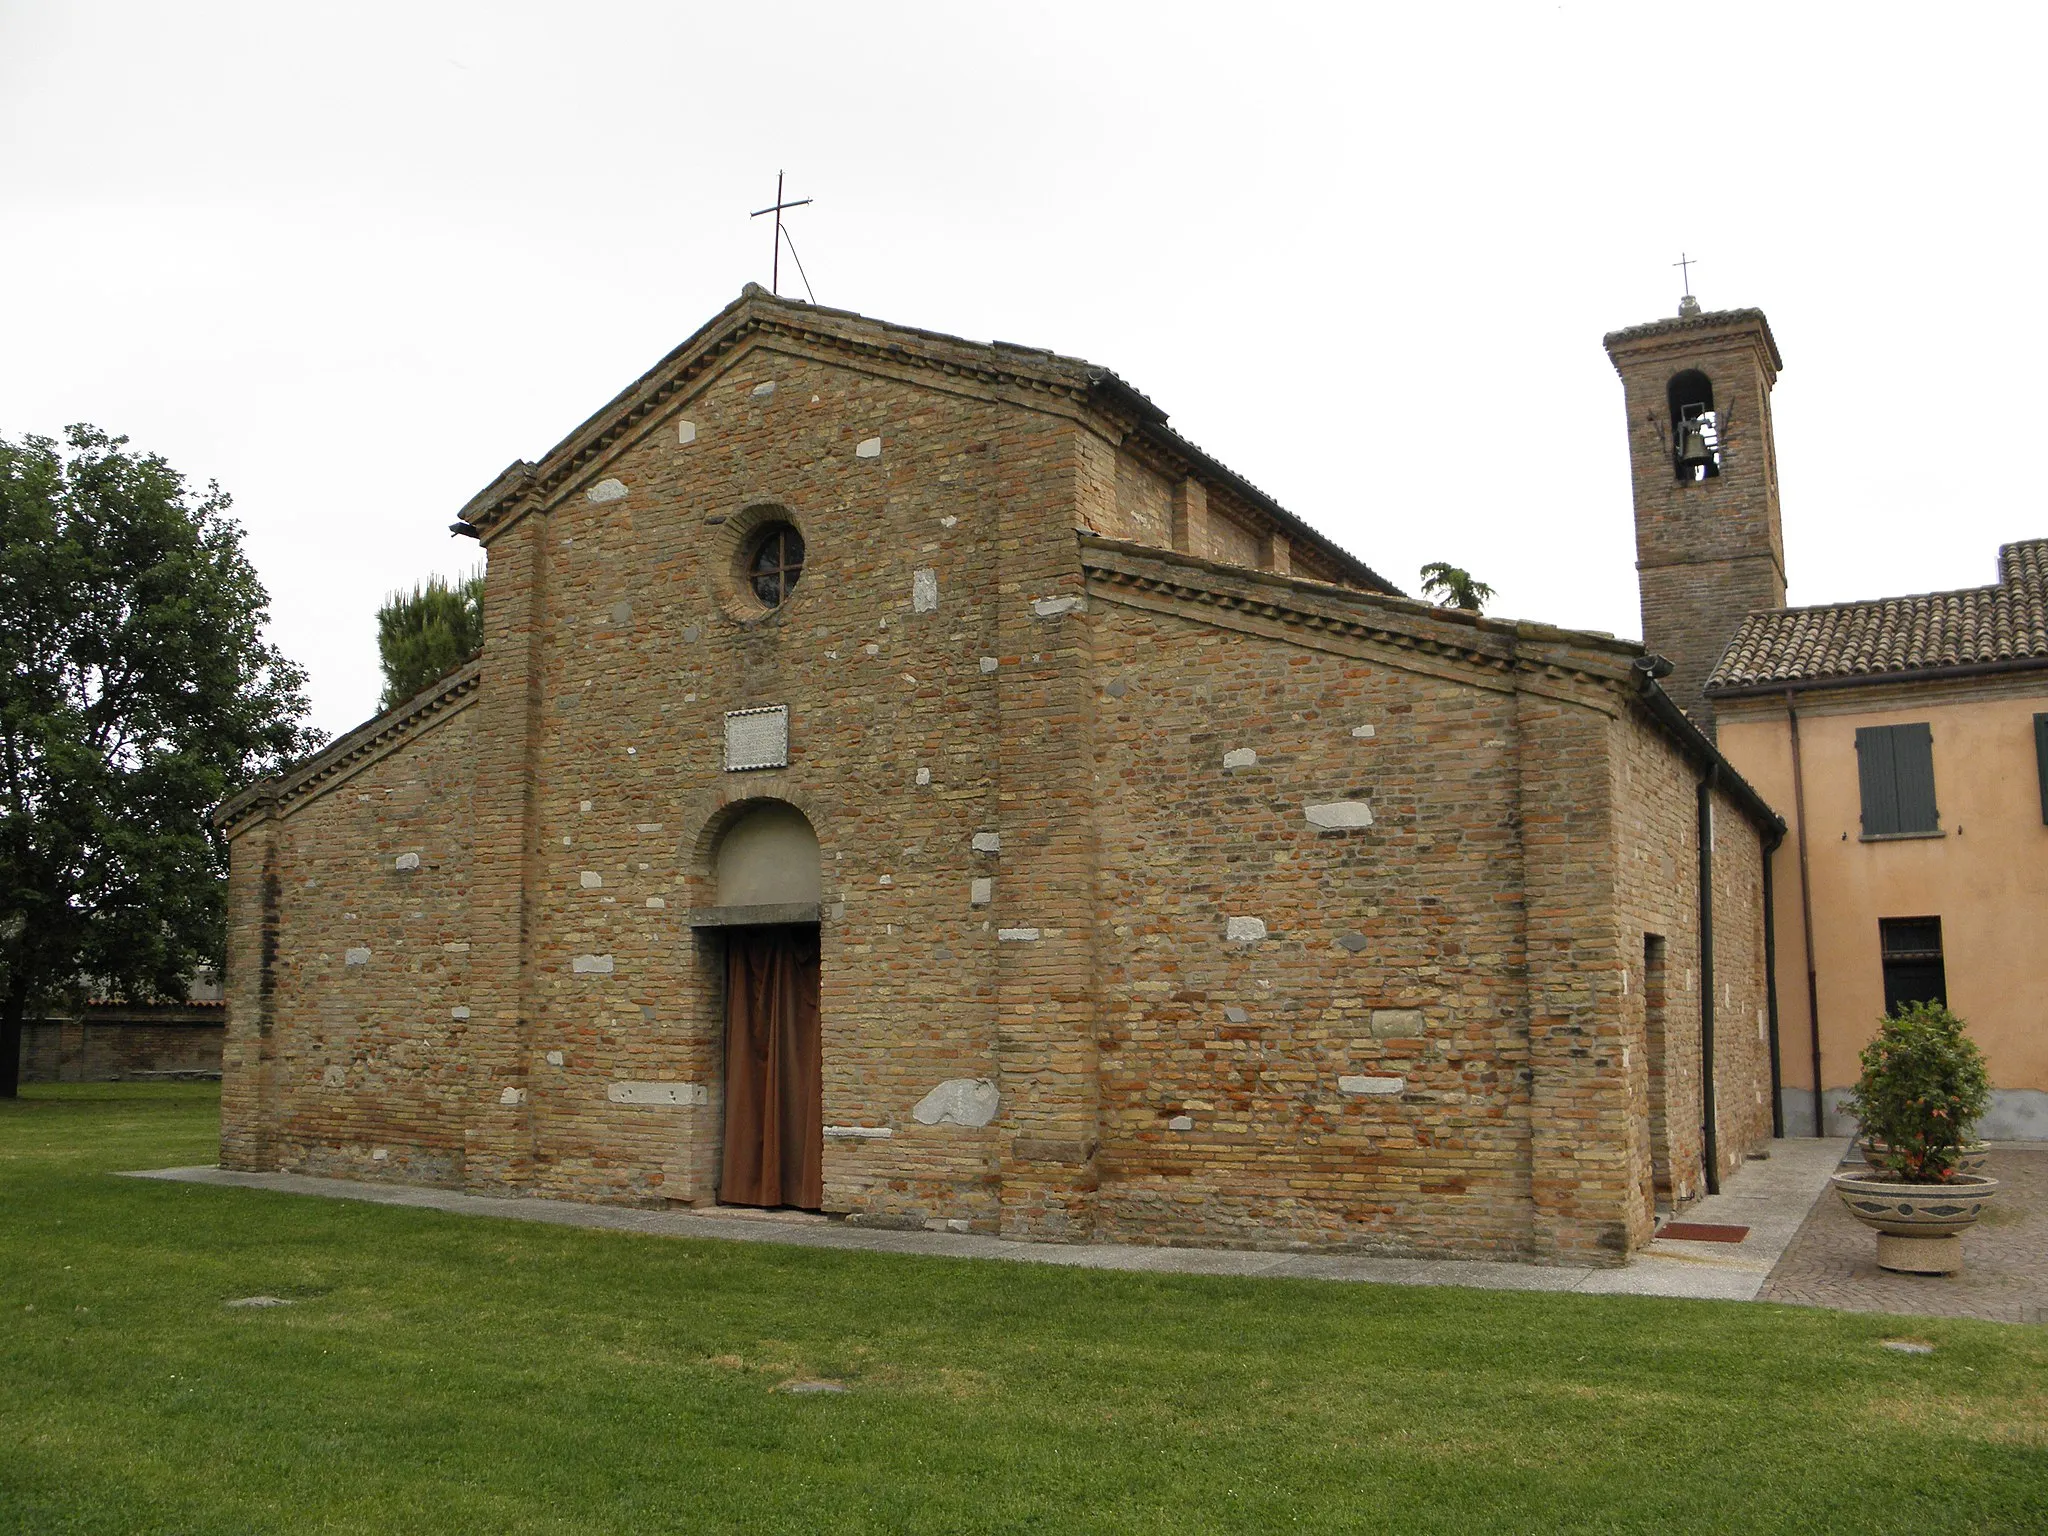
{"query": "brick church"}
pixel 906 779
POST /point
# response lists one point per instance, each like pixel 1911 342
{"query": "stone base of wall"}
pixel 2016 1114
pixel 108 1047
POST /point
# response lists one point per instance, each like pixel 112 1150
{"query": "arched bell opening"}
pixel 1695 426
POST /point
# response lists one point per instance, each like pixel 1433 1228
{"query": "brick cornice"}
pixel 283 793
pixel 1499 654
pixel 1690 334
pixel 756 317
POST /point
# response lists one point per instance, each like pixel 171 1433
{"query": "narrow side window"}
pixel 1914 972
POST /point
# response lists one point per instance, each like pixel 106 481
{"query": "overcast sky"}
pixel 351 260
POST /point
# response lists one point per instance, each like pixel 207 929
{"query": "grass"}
pixel 443 1373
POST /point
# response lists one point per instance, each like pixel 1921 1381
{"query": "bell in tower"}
pixel 1696 428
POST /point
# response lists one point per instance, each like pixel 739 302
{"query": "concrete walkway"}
pixel 1769 1197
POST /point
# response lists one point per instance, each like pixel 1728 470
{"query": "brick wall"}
pixel 111 1045
pixel 366 1063
pixel 1657 894
pixel 1391 951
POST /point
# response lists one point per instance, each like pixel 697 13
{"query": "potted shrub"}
pixel 1918 1101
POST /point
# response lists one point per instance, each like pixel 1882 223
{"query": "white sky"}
pixel 351 260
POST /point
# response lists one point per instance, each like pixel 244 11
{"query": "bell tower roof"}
pixel 1689 328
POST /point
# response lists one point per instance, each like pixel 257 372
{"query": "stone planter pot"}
pixel 1975 1156
pixel 1917 1223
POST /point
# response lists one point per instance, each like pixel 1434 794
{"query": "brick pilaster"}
pixel 1581 1180
pixel 1045 969
pixel 498 1135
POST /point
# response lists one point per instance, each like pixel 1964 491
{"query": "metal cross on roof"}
pixel 775 269
pixel 1685 264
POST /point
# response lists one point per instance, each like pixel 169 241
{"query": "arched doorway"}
pixel 774 1134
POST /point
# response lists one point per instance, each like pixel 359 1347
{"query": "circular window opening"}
pixel 775 559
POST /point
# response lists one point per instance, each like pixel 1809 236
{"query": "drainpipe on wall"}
pixel 1707 1106
pixel 1806 910
pixel 1771 990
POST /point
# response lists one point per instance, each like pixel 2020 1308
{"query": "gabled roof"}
pixel 1003 365
pixel 355 749
pixel 2001 626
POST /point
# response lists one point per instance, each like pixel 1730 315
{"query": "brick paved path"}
pixel 1833 1260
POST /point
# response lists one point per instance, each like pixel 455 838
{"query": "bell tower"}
pixel 1709 547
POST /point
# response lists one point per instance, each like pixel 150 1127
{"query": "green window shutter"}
pixel 2041 760
pixel 1879 780
pixel 1913 774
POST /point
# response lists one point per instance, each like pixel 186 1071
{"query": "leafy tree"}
pixel 137 693
pixel 1454 588
pixel 425 634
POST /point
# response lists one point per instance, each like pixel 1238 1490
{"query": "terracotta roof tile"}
pixel 2007 621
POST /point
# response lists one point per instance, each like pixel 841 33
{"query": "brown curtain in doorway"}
pixel 774 1077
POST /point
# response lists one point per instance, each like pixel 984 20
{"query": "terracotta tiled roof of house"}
pixel 1977 626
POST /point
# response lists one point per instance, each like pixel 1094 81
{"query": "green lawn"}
pixel 443 1373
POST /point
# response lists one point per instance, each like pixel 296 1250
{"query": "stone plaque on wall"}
pixel 757 738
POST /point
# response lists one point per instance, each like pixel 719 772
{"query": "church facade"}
pixel 905 779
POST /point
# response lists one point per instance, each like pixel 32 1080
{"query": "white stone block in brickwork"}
pixel 658 1093
pixel 959 1101
pixel 356 957
pixel 512 1096
pixel 870 448
pixel 988 842
pixel 1376 1086
pixel 1242 757
pixel 858 1133
pixel 1017 935
pixel 592 965
pixel 458 1012
pixel 988 663
pixel 686 432
pixel 924 590
pixel 556 1059
pixel 408 861
pixel 1397 1024
pixel 657 903
pixel 763 391
pixel 1181 1123
pixel 981 891
pixel 607 490
pixel 924 777
pixel 1340 814
pixel 1053 607
pixel 1244 930
pixel 591 880
pixel 1362 732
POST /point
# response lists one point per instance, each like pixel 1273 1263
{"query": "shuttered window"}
pixel 2041 760
pixel 1896 765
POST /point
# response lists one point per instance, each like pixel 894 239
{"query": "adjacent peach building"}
pixel 1906 741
